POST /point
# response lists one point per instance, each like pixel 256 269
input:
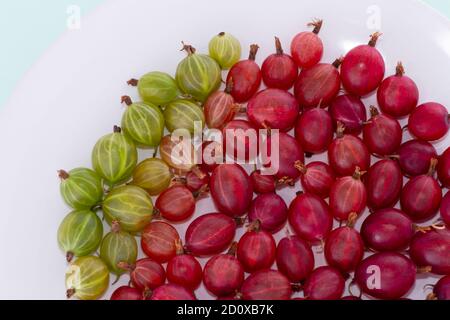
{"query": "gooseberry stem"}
pixel 117 129
pixel 340 130
pixel 63 175
pixel 400 70
pixel 337 63
pixel 233 249
pixel 278 46
pixel 188 48
pixel 433 164
pixel 70 293
pixel 374 111
pixel 253 51
pixel 374 39
pixel 317 24
pixel 133 82
pixel 69 256
pixel 127 100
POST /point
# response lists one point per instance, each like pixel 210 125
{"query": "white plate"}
pixel 71 97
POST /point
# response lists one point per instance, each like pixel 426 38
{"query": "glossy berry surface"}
pixel 279 70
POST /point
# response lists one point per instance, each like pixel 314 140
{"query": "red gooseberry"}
pixel 307 47
pixel 239 138
pixel 443 169
pixel 290 155
pixel 317 178
pixel 295 258
pixel 384 183
pixel 266 285
pixel 158 241
pixel 314 130
pixel 387 230
pixel 209 234
pixel 422 196
pixel 256 248
pixel 220 108
pixel 310 217
pixel 445 209
pixel 430 250
pixel 347 152
pixel 363 68
pixel 274 109
pixel 172 291
pixel 382 134
pixel 386 275
pixel 348 197
pixel 176 203
pixel 223 275
pixel 270 210
pixel 195 183
pixel 429 122
pixel 231 189
pixel 279 70
pixel 246 77
pixel 127 293
pixel 318 86
pixel 263 183
pixel 398 95
pixel 325 283
pixel 441 290
pixel 184 269
pixel 414 157
pixel 344 249
pixel 350 111
pixel 145 274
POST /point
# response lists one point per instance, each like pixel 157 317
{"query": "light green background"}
pixel 28 27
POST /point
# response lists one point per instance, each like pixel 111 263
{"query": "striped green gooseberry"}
pixel 114 157
pixel 118 247
pixel 198 74
pixel 183 114
pixel 80 233
pixel 81 188
pixel 153 175
pixel 143 122
pixel 225 49
pixel 130 206
pixel 157 88
pixel 87 278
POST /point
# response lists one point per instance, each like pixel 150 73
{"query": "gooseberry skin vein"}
pixel 114 157
pixel 158 88
pixel 80 233
pixel 225 49
pixel 144 123
pixel 182 114
pixel 87 278
pixel 130 206
pixel 118 247
pixel 198 75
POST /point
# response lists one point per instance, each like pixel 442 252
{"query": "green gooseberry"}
pixel 87 278
pixel 80 233
pixel 157 88
pixel 182 114
pixel 130 206
pixel 143 122
pixel 225 49
pixel 81 188
pixel 198 74
pixel 118 247
pixel 114 157
pixel 153 175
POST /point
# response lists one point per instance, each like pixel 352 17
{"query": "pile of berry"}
pixel 369 166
